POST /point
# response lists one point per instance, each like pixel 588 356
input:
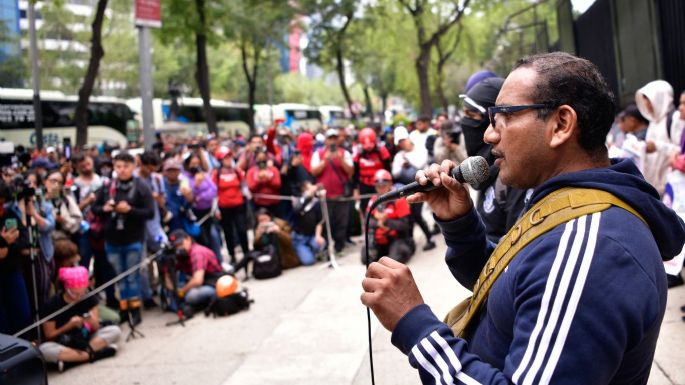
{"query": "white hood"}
pixel 660 94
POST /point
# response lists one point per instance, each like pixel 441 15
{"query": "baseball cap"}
pixel 400 133
pixel 331 132
pixel 177 236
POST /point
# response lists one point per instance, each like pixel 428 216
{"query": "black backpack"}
pixel 266 263
pixel 231 304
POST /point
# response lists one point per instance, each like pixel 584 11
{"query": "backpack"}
pixel 228 305
pixel 266 263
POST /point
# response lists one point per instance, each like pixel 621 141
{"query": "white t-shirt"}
pixel 316 160
pixel 419 138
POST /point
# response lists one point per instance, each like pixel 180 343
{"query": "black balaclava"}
pixel 478 99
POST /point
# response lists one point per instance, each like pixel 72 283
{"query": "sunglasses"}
pixel 508 110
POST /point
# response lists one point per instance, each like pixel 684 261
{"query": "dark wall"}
pixel 672 38
pixel 594 39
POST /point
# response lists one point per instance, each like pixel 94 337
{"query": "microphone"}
pixel 474 171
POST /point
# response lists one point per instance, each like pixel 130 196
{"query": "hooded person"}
pixel 305 145
pixel 655 102
pixel 497 204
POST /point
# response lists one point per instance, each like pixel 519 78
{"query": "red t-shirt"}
pixel 228 187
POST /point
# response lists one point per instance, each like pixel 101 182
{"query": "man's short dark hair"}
pixel 567 79
pixel 149 158
pixel 77 158
pixel 124 157
pixel 424 118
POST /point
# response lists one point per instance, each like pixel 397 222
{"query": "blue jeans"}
pixel 123 257
pixel 306 248
pixel 200 296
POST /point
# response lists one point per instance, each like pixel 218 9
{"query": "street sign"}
pixel 149 13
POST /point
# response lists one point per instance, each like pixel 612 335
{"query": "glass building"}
pixel 9 29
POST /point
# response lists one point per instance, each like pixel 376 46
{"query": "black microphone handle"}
pixel 415 187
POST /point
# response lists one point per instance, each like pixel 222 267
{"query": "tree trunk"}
pixel 439 89
pixel 369 105
pixel 251 81
pixel 96 54
pixel 384 106
pixel 340 69
pixel 202 70
pixel 422 63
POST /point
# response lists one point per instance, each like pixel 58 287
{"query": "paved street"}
pixel 306 327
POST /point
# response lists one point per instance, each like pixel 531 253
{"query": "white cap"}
pixel 400 133
pixel 331 132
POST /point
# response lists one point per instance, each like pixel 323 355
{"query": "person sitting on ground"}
pixel 198 267
pixel 390 224
pixel 76 335
pixel 272 230
pixel 308 225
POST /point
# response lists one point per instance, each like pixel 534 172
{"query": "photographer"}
pixel 248 158
pixel 275 231
pixel 178 195
pixel 75 335
pixel 204 193
pixel 15 308
pixel 390 224
pixel 66 211
pixel 449 144
pixel 197 266
pixel 264 178
pixel 308 225
pixel 124 205
pixel 333 167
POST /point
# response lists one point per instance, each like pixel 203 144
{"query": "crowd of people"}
pixel 71 222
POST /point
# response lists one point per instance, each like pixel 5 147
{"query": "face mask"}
pixel 473 134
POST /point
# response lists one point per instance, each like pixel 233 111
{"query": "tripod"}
pixel 32 253
pixel 133 333
pixel 170 270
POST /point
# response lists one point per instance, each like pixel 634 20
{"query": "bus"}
pixel 295 117
pixel 109 119
pixel 188 120
pixel 333 116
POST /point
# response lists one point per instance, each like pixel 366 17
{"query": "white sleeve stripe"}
pixel 446 375
pixel 454 361
pixel 556 265
pixel 425 364
pixel 573 302
pixel 559 299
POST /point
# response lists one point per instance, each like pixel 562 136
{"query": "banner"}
pixel 149 13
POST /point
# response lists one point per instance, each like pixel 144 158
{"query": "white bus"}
pixel 333 116
pixel 109 119
pixel 295 117
pixel 231 118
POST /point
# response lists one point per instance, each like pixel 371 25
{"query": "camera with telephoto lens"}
pixel 170 254
pixel 22 188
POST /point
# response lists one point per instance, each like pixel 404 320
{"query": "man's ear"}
pixel 565 125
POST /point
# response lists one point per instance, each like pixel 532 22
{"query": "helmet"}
pixel 367 138
pixel 382 175
pixel 222 152
pixel 226 285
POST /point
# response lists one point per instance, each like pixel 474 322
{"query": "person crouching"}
pixel 390 224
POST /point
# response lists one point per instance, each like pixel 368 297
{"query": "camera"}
pixel 194 170
pixel 261 164
pixel 22 188
pixel 333 147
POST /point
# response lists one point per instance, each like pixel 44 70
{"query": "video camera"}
pixel 21 188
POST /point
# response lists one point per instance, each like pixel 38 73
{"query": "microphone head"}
pixel 475 170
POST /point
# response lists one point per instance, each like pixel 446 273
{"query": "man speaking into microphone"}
pixel 575 292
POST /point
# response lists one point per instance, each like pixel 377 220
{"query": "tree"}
pixel 96 54
pixel 445 50
pixel 255 26
pixel 331 21
pixel 422 17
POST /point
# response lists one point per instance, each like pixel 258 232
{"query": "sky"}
pixel 581 5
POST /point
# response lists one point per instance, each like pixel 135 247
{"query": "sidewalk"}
pixel 307 327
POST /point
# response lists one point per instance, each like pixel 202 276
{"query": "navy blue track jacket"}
pixel 581 304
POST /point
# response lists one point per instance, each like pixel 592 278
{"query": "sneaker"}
pixel 430 245
pixel 674 280
pixel 149 304
pixel 228 268
pixel 104 353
